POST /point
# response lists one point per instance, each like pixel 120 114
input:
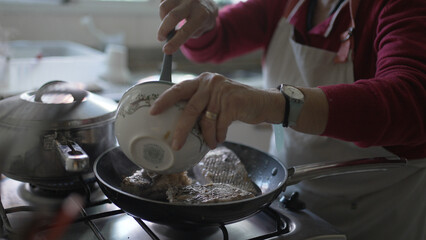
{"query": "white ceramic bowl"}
pixel 146 139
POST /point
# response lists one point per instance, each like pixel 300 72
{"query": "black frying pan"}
pixel 265 171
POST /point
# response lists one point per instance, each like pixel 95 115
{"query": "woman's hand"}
pixel 216 102
pixel 200 17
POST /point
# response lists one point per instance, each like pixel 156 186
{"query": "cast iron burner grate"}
pixel 88 216
pixel 281 228
pixel 9 232
pixel 40 191
pixel 40 195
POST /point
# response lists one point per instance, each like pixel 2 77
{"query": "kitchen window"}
pixel 219 2
pixel 99 7
pixel 136 20
pixel 61 2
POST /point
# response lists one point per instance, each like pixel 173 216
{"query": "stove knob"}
pixel 293 202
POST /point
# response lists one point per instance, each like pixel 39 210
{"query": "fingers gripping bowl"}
pixel 146 139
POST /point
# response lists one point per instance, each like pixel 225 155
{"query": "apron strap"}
pixel 290 8
pixel 347 41
pixel 346 37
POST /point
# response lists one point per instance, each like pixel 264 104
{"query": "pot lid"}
pixel 56 105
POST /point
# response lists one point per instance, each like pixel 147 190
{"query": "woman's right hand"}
pixel 199 15
pixel 215 102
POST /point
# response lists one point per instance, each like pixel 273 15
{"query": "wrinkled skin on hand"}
pixel 199 16
pixel 230 100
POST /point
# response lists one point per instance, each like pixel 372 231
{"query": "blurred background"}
pixel 97 23
pixel 104 47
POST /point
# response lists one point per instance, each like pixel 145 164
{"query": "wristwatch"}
pixel 294 99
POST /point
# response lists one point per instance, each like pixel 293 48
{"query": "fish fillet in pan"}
pixel 222 165
pixel 219 177
pixel 208 193
pixel 152 185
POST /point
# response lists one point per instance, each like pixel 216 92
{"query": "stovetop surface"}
pixel 100 219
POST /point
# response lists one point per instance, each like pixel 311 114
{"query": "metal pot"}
pixel 52 136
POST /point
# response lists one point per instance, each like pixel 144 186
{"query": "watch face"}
pixel 293 92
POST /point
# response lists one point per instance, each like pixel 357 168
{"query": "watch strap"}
pixel 294 112
pixel 287 106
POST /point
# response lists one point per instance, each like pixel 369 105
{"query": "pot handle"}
pixel 319 170
pixel 59 86
pixel 73 156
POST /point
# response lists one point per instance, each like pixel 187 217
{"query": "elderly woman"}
pixel 345 79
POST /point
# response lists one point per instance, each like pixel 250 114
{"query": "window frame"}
pixel 78 7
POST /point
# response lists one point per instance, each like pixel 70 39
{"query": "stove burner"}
pixel 38 195
pixel 58 193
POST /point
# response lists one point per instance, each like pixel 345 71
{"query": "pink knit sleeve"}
pixel 388 109
pixel 240 28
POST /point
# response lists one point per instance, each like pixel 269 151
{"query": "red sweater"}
pixel 386 105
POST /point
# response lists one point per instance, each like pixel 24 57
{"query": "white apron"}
pixel 375 205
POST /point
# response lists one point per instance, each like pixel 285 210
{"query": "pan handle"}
pixel 319 170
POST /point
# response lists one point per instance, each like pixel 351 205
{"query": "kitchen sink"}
pixel 30 64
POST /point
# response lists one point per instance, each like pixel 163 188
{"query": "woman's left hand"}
pixel 199 15
pixel 216 101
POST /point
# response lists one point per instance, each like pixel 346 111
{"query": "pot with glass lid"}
pixel 52 136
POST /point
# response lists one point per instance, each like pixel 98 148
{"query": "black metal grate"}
pixel 9 233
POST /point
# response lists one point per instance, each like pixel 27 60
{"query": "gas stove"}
pixel 24 206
